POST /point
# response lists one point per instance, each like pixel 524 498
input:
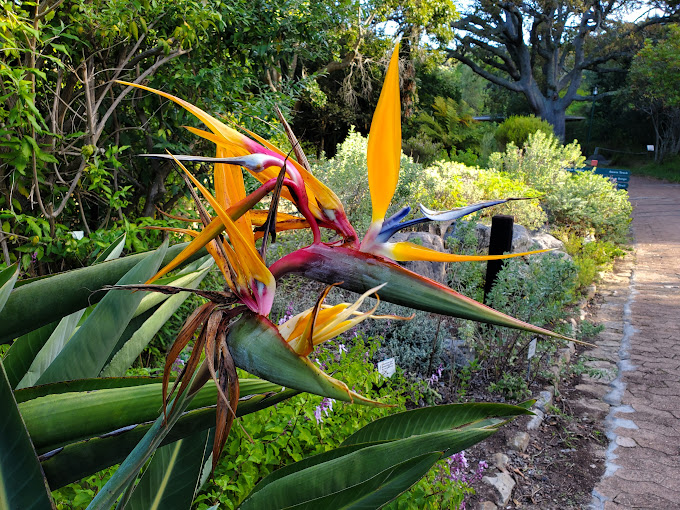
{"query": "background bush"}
pixel 517 128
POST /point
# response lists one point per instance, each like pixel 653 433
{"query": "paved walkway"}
pixel 643 468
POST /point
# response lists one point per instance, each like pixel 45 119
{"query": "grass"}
pixel 668 170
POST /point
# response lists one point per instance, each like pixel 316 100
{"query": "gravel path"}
pixel 643 460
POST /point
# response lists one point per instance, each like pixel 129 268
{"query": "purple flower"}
pixel 288 315
pixel 34 257
pixel 325 406
pixel 341 348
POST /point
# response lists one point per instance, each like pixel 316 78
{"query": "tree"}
pixel 654 78
pixel 542 48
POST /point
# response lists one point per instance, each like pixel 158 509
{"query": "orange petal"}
pixel 384 142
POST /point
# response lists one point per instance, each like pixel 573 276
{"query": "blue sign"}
pixel 619 176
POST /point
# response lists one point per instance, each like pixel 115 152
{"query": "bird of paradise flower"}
pixel 234 329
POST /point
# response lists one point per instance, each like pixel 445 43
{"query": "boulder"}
pixel 521 239
pixel 433 270
pixel 546 241
pixel 456 353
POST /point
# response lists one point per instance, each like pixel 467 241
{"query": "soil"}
pixel 563 462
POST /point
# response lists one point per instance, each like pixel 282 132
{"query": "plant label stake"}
pixel 387 367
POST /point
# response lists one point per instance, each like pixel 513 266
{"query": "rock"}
pixel 546 242
pixel 500 460
pixel 626 442
pixel 521 239
pixel 590 291
pixel 544 399
pixel 433 270
pixel 503 483
pixel 536 420
pixel 456 353
pixel 520 442
pixel 483 234
pixel 487 505
pixel 564 356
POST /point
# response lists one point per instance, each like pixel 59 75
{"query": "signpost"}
pixel 619 176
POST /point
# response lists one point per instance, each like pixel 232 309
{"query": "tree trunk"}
pixel 554 113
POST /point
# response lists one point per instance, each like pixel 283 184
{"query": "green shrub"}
pixel 589 203
pixel 584 202
pixel 516 129
pixel 540 162
pixel 537 291
pixel 511 387
pixel 458 184
pixel 423 150
pixel 590 258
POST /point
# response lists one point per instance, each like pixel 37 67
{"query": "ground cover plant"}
pixel 81 338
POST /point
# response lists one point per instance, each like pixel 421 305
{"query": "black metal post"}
pixel 500 242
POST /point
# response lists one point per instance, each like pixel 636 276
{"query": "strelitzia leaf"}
pixel 76 460
pixel 22 484
pixel 381 460
pixel 47 300
pixel 87 351
pixel 8 278
pixel 170 480
pixel 126 355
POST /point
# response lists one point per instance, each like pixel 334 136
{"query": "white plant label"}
pixel 387 368
pixel 532 349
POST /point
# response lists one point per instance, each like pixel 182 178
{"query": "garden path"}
pixel 643 468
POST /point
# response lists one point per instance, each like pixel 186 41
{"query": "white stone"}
pixel 500 460
pixel 536 420
pixel 503 483
pixel 520 442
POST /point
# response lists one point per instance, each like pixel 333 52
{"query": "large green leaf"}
pixel 460 424
pixel 377 490
pixel 8 278
pixel 82 385
pixel 78 460
pixel 170 480
pixel 129 469
pixel 433 419
pixel 127 354
pixel 113 251
pixel 49 352
pixel 22 484
pixel 339 475
pixel 360 272
pixel 23 351
pixel 77 415
pixel 47 300
pixel 90 347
